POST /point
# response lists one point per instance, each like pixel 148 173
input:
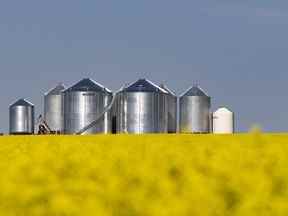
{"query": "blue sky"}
pixel 236 50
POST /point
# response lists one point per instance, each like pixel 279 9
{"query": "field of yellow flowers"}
pixel 126 175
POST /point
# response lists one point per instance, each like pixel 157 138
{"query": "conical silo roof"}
pixel 56 90
pixel 22 102
pixel 88 85
pixel 143 85
pixel 195 91
pixel 169 91
pixel 223 110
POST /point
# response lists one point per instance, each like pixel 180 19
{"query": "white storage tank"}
pixel 223 121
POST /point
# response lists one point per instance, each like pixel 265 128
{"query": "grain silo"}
pixel 21 117
pixel 53 108
pixel 194 111
pixel 141 108
pixel 172 109
pixel 223 121
pixel 85 102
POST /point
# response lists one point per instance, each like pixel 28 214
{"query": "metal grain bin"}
pixel 194 111
pixel 83 104
pixel 172 109
pixel 53 108
pixel 141 108
pixel 21 117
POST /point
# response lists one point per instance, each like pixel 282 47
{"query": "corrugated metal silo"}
pixel 83 103
pixel 172 109
pixel 194 111
pixel 142 108
pixel 53 108
pixel 223 121
pixel 21 117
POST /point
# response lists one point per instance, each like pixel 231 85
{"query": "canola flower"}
pixel 128 175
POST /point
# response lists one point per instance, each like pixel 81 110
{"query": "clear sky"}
pixel 235 49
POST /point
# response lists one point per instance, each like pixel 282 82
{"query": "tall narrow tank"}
pixel 53 108
pixel 172 109
pixel 21 117
pixel 223 121
pixel 83 104
pixel 194 111
pixel 142 108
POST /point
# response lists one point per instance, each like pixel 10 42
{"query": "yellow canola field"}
pixel 145 175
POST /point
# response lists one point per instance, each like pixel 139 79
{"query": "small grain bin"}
pixel 194 111
pixel 223 121
pixel 53 108
pixel 21 117
pixel 172 109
